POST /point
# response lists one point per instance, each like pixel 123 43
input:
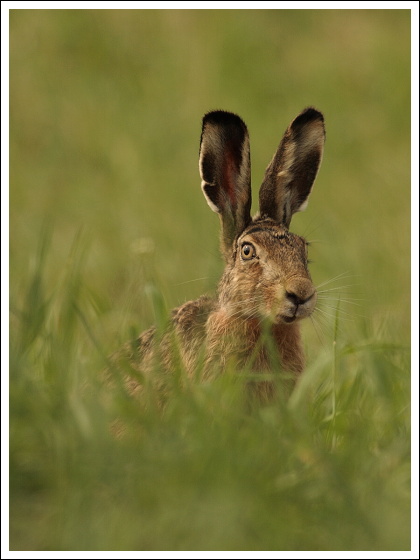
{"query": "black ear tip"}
pixel 223 118
pixel 308 115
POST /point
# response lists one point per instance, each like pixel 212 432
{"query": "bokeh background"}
pixel 105 117
pixel 105 121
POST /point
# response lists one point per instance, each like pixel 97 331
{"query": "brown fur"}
pixel 266 288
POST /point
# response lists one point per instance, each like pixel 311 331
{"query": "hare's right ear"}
pixel 225 171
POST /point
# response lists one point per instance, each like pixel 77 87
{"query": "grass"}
pixel 109 230
pixel 327 470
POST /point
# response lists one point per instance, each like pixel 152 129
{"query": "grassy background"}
pixel 106 214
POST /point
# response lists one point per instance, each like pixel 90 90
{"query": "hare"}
pixel 265 289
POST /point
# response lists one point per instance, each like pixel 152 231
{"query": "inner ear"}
pixel 231 170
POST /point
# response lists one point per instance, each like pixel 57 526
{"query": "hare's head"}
pixel 266 271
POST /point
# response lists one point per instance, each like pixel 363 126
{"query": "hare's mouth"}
pixel 286 319
pixel 295 307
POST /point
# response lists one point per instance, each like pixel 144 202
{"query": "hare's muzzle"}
pixel 298 301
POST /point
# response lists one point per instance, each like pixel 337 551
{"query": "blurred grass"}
pixel 105 205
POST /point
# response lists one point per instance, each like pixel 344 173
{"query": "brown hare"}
pixel 266 288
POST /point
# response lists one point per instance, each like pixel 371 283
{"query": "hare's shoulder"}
pixel 192 315
pixel 187 323
pixel 188 320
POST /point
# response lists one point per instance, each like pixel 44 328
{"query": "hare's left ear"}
pixel 289 177
pixel 226 173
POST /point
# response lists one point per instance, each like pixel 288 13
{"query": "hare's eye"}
pixel 247 251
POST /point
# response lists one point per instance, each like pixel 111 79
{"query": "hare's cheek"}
pixel 271 301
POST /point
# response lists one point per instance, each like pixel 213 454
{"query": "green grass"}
pixel 109 230
pixel 327 470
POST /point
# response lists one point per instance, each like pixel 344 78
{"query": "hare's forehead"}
pixel 271 237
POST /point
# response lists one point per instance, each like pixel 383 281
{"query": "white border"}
pixel 5 7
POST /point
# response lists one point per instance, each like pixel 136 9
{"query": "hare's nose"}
pixel 298 300
pixel 300 291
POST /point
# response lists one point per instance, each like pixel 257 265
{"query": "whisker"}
pixel 250 309
pixel 339 276
pixel 190 281
pixel 327 320
pixel 329 294
pixel 333 308
pixel 342 300
pixel 337 288
pixel 325 305
pixel 327 325
pixel 317 325
pixel 343 314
